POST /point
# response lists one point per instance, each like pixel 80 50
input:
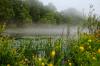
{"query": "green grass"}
pixel 84 51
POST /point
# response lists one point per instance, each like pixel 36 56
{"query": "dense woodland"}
pixel 22 12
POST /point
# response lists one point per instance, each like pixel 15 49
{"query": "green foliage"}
pixel 2 27
pixel 85 51
pixel 6 10
pixel 60 52
pixel 48 18
pixel 92 21
pixel 22 12
pixel 6 52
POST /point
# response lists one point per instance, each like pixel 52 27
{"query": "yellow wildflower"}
pixel 8 64
pixel 98 50
pixel 43 64
pixel 70 64
pixel 94 58
pixel 81 48
pixel 53 53
pixel 89 40
pixel 50 64
pixel 40 59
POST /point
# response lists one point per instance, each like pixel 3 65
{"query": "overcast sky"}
pixel 78 4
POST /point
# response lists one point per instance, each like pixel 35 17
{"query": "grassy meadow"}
pixel 47 51
pixel 81 49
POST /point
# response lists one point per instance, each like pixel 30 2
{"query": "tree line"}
pixel 31 11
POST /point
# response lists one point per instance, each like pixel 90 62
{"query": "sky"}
pixel 81 5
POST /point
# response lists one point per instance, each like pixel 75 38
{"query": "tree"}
pixel 21 12
pixel 6 10
pixel 36 8
pixel 48 18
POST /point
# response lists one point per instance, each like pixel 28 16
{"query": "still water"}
pixel 48 30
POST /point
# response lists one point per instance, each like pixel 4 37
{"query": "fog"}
pixel 45 30
pixel 81 5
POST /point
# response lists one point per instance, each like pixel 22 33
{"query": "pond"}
pixel 45 30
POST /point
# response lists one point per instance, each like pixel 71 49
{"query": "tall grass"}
pixel 84 51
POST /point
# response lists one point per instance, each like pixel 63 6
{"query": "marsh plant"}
pixel 92 22
pixel 81 51
pixel 84 51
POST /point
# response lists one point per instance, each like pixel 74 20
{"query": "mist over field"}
pixel 49 33
pixel 50 30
